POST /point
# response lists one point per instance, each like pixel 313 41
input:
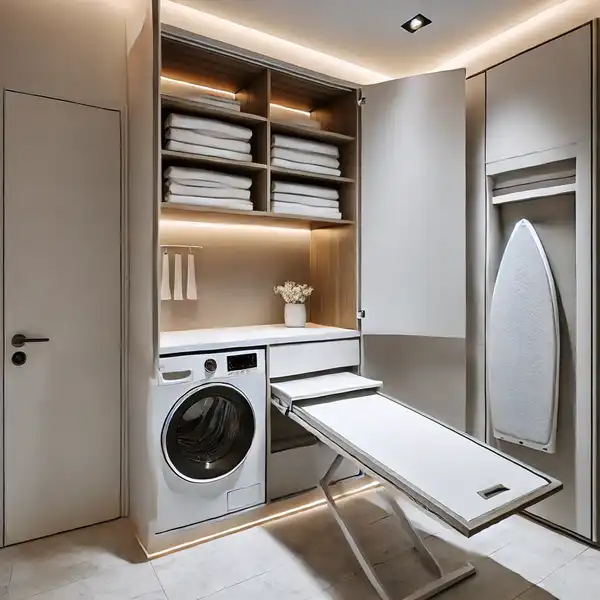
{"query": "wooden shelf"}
pixel 189 107
pixel 312 177
pixel 212 161
pixel 320 135
pixel 253 217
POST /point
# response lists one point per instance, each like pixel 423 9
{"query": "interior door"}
pixel 62 259
pixel 413 206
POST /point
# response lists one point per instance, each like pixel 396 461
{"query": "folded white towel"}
pixel 181 89
pixel 309 211
pixel 202 177
pixel 304 190
pixel 165 286
pixel 285 141
pixel 196 183
pixel 288 164
pixel 306 200
pixel 232 203
pixel 311 158
pixel 209 192
pixel 178 278
pixel 215 102
pixel 209 127
pixel 208 151
pixel 193 137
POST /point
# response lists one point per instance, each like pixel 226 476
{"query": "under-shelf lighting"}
pixel 297 111
pixel 204 88
pixel 280 515
pixel 244 226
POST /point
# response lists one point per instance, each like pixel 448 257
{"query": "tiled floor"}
pixel 302 558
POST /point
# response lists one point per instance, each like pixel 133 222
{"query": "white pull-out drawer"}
pixel 466 483
pixel 287 360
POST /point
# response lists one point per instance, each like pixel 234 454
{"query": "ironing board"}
pixel 465 483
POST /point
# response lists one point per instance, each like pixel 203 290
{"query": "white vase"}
pixel 295 315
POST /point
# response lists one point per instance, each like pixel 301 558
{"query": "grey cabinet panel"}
pixel 541 99
pixel 413 206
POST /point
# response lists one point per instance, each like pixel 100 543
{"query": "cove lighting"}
pixel 417 22
pixel 249 226
pixel 280 515
pixel 197 86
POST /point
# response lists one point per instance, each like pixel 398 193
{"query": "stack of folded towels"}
pixel 306 200
pixel 200 187
pixel 305 155
pixel 180 89
pixel 207 137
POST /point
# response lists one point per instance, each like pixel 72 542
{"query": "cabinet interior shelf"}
pixel 189 107
pixel 254 217
pixel 319 135
pixel 313 177
pixel 212 161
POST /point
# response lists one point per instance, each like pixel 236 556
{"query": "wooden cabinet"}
pixel 540 100
pixel 402 151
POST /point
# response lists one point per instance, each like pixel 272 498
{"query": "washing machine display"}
pixel 208 433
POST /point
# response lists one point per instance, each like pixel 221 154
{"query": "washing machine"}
pixel 209 433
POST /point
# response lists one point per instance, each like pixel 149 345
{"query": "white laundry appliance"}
pixel 209 433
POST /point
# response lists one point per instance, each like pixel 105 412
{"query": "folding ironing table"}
pixel 465 483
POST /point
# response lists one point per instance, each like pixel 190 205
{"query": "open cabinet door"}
pixel 413 206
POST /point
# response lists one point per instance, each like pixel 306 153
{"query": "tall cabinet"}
pixel 393 265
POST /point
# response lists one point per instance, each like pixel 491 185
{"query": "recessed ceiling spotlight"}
pixel 417 22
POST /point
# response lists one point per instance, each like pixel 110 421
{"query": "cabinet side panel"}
pixel 476 248
pixel 333 276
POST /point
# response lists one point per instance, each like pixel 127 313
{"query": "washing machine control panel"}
pixel 242 362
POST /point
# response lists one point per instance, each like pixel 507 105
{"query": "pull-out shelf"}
pixel 467 484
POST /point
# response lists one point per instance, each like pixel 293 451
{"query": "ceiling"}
pixel 368 32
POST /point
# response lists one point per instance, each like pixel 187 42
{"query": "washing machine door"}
pixel 208 433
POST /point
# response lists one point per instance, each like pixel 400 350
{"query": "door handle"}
pixel 19 340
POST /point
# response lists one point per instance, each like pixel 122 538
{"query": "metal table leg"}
pixel 442 581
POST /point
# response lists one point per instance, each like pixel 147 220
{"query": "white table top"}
pixel 199 340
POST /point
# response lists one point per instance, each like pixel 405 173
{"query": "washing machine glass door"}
pixel 208 433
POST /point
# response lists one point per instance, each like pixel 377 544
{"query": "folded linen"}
pixel 306 200
pixel 285 141
pixel 202 177
pixel 289 208
pixel 182 89
pixel 192 137
pixel 210 202
pixel 304 190
pixel 224 192
pixel 311 158
pixel 215 102
pixel 208 151
pixel 197 183
pixel 288 164
pixel 209 127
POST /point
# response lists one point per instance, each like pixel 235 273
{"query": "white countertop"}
pixel 198 340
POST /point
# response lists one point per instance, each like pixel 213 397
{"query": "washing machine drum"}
pixel 208 433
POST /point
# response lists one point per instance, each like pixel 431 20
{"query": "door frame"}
pixel 124 277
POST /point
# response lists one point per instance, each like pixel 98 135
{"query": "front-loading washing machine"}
pixel 209 432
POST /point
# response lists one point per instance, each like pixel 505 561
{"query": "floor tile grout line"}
pixel 563 566
pixel 159 581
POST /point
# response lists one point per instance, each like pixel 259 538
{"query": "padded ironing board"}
pixel 462 481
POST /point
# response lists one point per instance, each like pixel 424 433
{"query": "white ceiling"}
pixel 368 32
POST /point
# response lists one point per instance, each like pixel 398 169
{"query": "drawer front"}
pixel 296 359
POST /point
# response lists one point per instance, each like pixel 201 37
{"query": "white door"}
pixel 62 260
pixel 413 258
